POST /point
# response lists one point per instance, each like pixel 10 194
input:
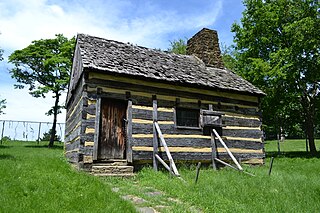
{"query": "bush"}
pixel 47 135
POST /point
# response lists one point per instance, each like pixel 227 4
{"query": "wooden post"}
pixel 39 133
pixel 129 131
pixel 271 164
pixel 214 151
pixel 97 129
pixel 227 149
pixel 2 130
pixel 198 171
pixel 155 135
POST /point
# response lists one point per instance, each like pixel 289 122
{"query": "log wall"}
pixel 241 120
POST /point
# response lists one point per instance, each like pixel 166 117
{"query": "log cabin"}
pixel 117 92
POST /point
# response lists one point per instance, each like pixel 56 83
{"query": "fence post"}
pixel 39 133
pixel 2 131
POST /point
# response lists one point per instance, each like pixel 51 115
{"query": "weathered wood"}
pixel 270 167
pixel 138 128
pixel 97 128
pixel 166 91
pixel 193 156
pixel 155 135
pixel 164 144
pixel 227 149
pixel 234 121
pixel 112 134
pixel 198 142
pixel 147 114
pixel 2 131
pixel 243 133
pixel 129 132
pixel 226 164
pixel 164 164
pixel 214 151
pixel 197 173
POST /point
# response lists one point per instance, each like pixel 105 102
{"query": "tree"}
pixel 178 47
pixel 278 47
pixel 44 66
pixel 2 101
pixel 2 105
pixel 47 136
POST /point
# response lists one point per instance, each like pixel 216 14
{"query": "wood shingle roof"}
pixel 140 62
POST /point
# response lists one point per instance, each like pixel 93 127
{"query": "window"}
pixel 187 117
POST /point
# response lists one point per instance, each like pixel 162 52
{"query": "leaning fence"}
pixel 28 130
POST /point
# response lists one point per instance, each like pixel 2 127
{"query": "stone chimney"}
pixel 205 45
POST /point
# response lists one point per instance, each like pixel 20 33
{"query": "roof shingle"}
pixel 116 57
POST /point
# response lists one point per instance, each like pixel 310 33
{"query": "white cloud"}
pixel 146 24
pixel 23 21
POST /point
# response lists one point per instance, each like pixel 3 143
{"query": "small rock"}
pixel 134 199
pixel 152 194
pixel 115 189
pixel 146 210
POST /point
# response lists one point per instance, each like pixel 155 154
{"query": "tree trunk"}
pixel 54 125
pixel 309 108
pixel 310 133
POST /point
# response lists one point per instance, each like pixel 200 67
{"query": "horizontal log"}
pixel 193 156
pixel 147 114
pixel 197 149
pixel 191 142
pixel 244 133
pixel 71 146
pixel 166 89
pixel 138 128
pixel 236 121
pixel 72 157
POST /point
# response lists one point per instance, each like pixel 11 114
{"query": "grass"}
pixel 294 185
pixel 34 178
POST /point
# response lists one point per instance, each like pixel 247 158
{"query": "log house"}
pixel 117 90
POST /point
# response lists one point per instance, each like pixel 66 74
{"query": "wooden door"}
pixel 112 130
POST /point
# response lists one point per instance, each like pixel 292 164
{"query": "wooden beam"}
pixel 227 149
pixel 155 135
pixel 164 164
pixel 97 129
pixel 129 132
pixel 214 151
pixel 164 144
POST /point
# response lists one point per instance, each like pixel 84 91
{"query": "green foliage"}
pixel 44 66
pixel 2 105
pixel 46 136
pixel 228 55
pixel 37 179
pixel 178 47
pixel 277 46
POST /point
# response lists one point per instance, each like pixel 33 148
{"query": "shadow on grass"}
pixel 6 157
pixel 292 154
pixel 4 147
pixel 45 146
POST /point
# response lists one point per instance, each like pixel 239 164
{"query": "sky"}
pixel 149 23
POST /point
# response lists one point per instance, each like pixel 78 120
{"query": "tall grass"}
pixel 34 178
pixel 294 185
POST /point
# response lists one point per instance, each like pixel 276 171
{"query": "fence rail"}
pixel 28 130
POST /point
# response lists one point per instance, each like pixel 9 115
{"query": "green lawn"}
pixel 294 185
pixel 34 178
pixel 37 179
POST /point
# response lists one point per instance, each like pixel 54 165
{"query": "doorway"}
pixel 112 135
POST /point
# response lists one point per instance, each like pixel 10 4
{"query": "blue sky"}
pixel 149 23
